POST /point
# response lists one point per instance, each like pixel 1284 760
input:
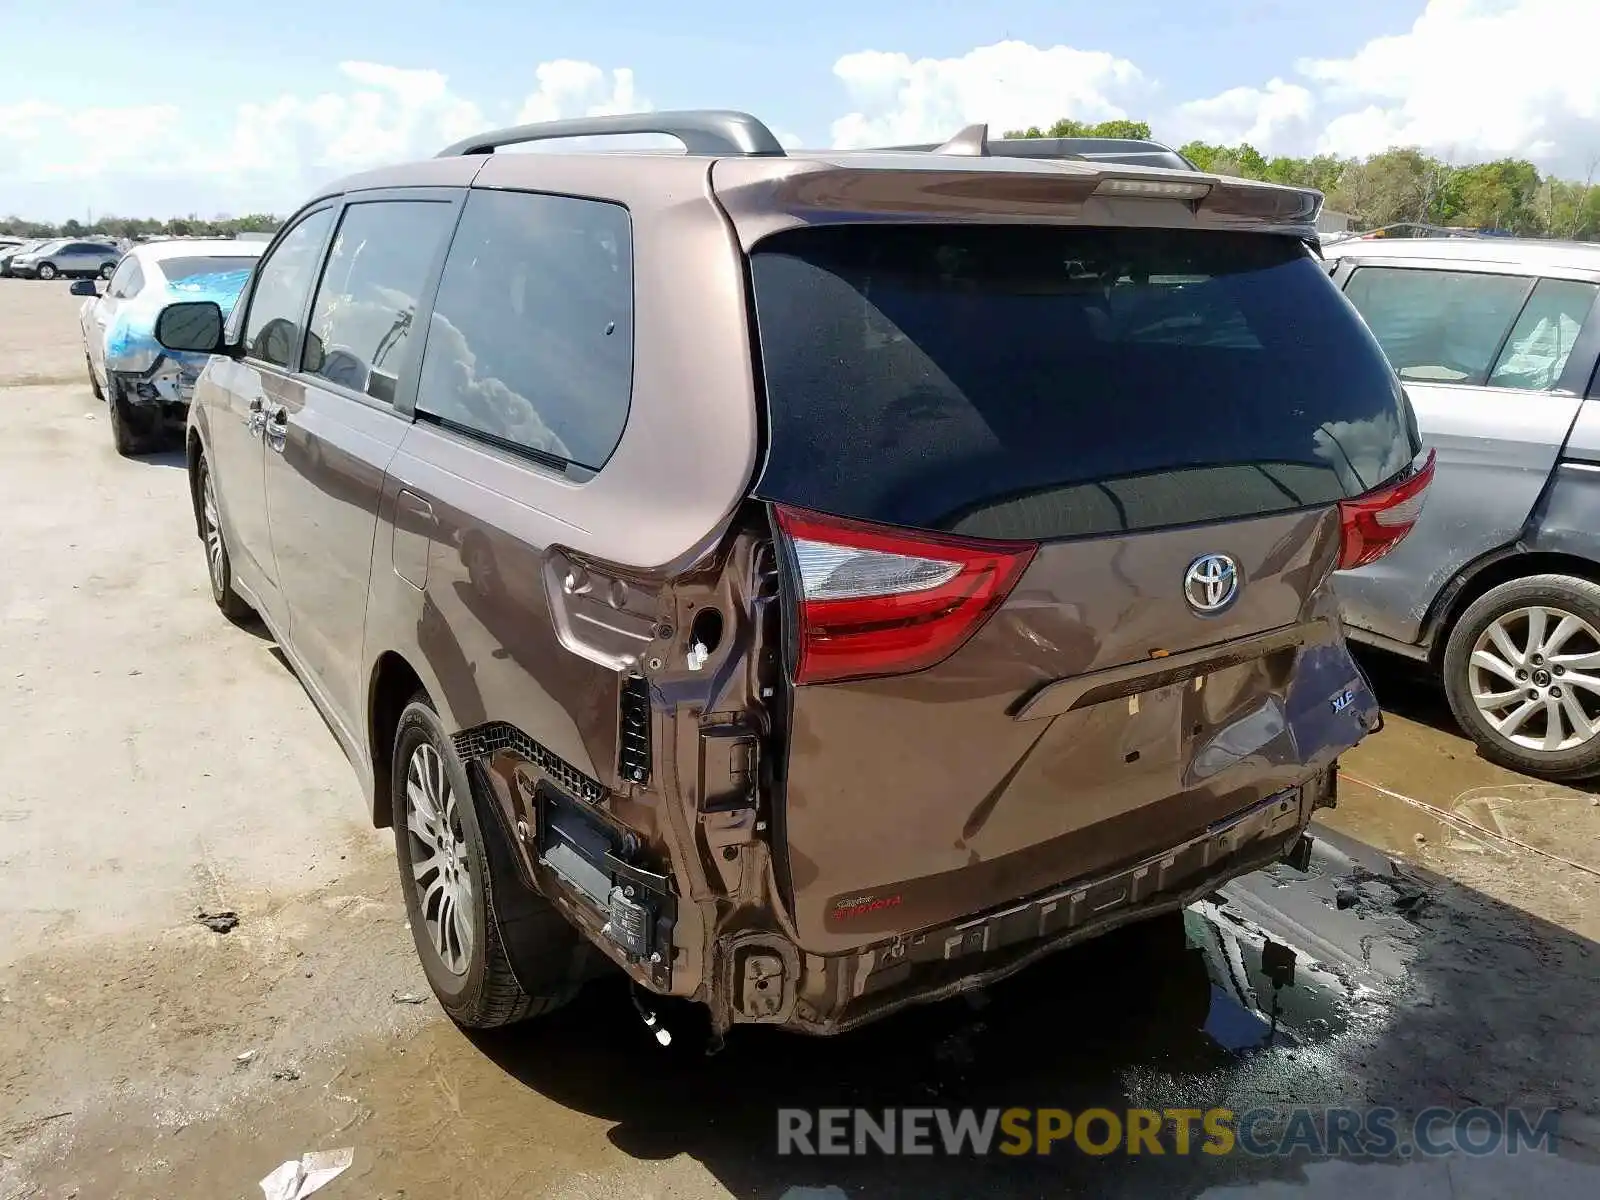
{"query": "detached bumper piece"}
pixel 595 861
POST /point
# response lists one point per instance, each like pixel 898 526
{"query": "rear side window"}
pixel 531 339
pixel 1541 341
pixel 361 322
pixel 1036 382
pixel 283 283
pixel 1438 326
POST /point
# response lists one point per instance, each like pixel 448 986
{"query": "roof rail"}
pixel 975 140
pixel 702 131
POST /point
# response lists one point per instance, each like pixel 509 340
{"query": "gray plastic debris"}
pixel 299 1177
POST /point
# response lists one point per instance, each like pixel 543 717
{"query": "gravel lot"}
pixel 159 761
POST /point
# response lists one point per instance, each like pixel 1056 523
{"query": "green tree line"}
pixel 1402 184
pixel 134 227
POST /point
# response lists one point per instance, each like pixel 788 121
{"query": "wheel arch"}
pixel 193 451
pixel 394 682
pixel 1489 572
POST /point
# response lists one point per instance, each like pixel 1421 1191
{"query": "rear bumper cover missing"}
pixel 840 993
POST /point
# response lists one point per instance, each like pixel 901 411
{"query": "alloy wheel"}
pixel 1534 674
pixel 213 534
pixel 439 867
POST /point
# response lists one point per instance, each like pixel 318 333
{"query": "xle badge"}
pixel 1342 700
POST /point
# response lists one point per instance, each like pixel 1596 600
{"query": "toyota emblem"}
pixel 1211 583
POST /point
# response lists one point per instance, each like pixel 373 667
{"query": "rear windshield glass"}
pixel 1038 382
pixel 179 269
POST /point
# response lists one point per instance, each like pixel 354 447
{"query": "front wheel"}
pixel 451 890
pixel 47 271
pixel 1522 673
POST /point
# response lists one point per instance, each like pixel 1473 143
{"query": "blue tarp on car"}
pixel 131 340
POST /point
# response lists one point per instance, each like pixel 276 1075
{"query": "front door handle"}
pixel 256 420
pixel 277 428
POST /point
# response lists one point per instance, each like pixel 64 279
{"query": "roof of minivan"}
pixel 1535 253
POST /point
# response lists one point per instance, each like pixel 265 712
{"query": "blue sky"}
pixel 774 60
pixel 205 105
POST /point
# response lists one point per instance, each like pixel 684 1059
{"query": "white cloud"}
pixel 1482 78
pixel 274 151
pixel 1472 79
pixel 1011 84
pixel 570 88
pixel 1274 115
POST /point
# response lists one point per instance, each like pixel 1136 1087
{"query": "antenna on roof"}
pixel 973 140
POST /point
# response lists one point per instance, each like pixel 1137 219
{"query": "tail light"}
pixel 884 601
pixel 1374 524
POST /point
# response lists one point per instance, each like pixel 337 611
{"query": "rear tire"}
pixel 1528 641
pixel 94 380
pixel 130 431
pixel 219 567
pixel 452 907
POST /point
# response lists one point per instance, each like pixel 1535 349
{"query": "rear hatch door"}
pixel 1058 507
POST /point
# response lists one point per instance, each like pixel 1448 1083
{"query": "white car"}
pixel 146 387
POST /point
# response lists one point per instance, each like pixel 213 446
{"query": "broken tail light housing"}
pixel 1373 524
pixel 876 600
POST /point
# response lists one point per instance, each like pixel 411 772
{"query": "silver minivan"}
pixel 1498 587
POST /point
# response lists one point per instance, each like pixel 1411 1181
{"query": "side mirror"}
pixel 84 287
pixel 193 325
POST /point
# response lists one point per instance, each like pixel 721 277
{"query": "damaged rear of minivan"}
pixel 952 586
pixel 1053 486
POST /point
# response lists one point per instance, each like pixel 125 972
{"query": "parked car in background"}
pixel 69 257
pixel 7 253
pixel 814 676
pixel 1498 586
pixel 146 387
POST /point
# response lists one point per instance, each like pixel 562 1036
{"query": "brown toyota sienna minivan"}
pixel 812 582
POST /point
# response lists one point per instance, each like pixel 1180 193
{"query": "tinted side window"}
pixel 272 330
pixel 1438 326
pixel 1536 353
pixel 361 321
pixel 531 339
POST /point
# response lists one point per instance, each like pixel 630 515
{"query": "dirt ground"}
pixel 156 762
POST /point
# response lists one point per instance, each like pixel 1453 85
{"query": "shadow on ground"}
pixel 1410 991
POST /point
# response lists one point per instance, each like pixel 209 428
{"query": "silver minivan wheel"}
pixel 440 872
